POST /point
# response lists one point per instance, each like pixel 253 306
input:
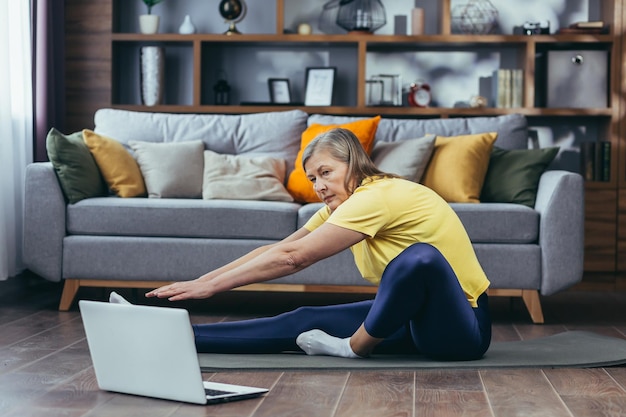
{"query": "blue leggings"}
pixel 419 308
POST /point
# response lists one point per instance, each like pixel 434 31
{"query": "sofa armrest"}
pixel 561 205
pixel 44 221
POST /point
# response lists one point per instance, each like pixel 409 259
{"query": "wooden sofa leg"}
pixel 533 305
pixel 70 289
pixel 530 298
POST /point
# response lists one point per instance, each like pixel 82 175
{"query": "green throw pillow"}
pixel 76 169
pixel 513 175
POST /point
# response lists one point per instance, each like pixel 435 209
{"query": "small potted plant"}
pixel 149 23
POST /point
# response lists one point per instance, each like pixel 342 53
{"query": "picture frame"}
pixel 319 86
pixel 280 90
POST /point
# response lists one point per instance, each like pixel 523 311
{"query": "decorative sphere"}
pixel 304 29
pixel 230 9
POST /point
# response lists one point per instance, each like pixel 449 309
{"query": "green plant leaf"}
pixel 150 4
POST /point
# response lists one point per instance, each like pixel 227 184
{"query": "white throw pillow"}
pixel 241 177
pixel 406 158
pixel 171 170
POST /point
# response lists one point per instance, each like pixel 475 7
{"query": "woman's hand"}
pixel 184 290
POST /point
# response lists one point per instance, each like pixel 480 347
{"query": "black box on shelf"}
pixel 577 79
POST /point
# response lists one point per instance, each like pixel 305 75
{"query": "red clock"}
pixel 419 95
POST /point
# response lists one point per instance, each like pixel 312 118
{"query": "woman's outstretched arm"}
pixel 291 255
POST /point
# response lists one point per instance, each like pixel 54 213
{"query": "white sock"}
pixel 317 342
pixel 117 299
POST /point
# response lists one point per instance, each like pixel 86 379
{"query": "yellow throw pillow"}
pixel 117 166
pixel 298 184
pixel 458 166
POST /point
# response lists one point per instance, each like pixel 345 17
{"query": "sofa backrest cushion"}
pixel 272 133
pixel 512 129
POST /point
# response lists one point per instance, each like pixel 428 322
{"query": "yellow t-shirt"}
pixel 396 213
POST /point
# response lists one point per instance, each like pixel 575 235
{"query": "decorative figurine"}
pixel 187 27
pixel 233 11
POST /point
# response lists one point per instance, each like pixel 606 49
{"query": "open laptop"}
pixel 150 351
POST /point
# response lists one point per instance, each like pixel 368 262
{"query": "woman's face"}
pixel 328 177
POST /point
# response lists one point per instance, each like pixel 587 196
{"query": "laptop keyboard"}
pixel 214 392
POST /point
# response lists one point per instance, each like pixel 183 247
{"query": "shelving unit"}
pixel 197 56
pixel 362 45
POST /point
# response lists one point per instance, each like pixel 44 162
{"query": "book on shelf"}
pixel 605 162
pixel 507 88
pixel 597 27
pixel 590 24
pixel 517 88
pixel 595 160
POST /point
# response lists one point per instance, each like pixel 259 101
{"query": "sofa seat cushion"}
pixel 147 217
pixel 149 259
pixel 485 222
pixel 168 258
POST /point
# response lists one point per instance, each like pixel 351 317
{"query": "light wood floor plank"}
pixel 378 394
pixel 522 392
pixel 529 331
pixel 448 379
pixel 133 406
pixel 442 403
pixel 619 375
pixel 306 394
pixel 31 325
pixel 79 393
pixel 594 382
pixel 588 406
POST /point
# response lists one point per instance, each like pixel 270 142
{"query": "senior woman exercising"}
pixel 431 296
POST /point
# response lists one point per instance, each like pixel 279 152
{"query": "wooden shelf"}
pixel 413 40
pixel 369 110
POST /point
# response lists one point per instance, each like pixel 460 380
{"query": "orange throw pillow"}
pixel 298 184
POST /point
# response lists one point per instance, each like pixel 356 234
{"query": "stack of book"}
pixel 597 27
pixel 507 87
pixel 595 160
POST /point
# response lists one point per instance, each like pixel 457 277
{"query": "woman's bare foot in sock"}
pixel 317 342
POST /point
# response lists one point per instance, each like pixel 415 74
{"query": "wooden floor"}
pixel 45 368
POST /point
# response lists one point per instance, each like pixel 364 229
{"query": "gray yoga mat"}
pixel 574 349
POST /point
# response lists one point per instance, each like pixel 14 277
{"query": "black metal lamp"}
pixel 222 92
pixel 363 16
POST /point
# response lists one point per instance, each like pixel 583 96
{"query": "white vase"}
pixel 187 27
pixel 148 24
pixel 152 69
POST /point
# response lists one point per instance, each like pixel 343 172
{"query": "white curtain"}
pixel 16 128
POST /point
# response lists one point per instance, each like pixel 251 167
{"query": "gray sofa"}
pixel 142 242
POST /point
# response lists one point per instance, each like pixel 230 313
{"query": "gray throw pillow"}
pixel 239 177
pixel 171 170
pixel 406 158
